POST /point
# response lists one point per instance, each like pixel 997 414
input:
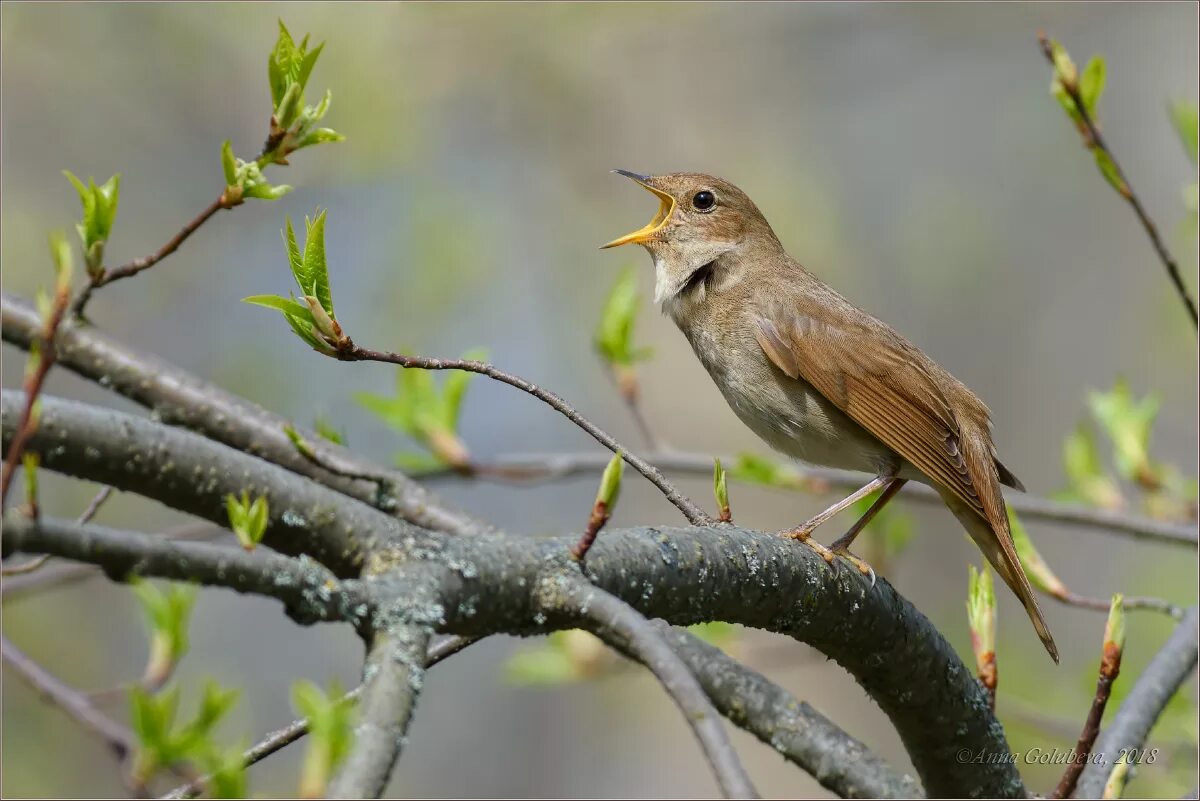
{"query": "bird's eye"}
pixel 704 201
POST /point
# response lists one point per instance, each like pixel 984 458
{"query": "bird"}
pixel 818 378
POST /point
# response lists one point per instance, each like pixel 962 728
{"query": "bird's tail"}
pixel 997 546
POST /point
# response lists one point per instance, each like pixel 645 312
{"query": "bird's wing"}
pixel 880 386
pixel 888 387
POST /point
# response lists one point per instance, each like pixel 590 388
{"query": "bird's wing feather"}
pixel 889 393
pixel 893 394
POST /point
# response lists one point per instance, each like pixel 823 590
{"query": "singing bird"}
pixel 818 378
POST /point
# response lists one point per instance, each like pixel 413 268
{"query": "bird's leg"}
pixel 841 546
pixel 804 532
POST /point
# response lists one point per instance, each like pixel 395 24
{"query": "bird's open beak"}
pixel 666 205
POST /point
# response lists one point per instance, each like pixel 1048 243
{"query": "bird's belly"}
pixel 795 419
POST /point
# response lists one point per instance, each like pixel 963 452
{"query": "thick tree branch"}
pixel 194 474
pixel 536 467
pixel 682 575
pixel 623 627
pixel 58 575
pixel 179 398
pixel 310 592
pixel 800 733
pixel 392 678
pixel 692 575
pixel 694 514
pixel 1144 704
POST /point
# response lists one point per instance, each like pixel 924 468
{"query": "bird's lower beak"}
pixel 666 205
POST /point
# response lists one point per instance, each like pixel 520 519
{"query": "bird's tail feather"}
pixel 1005 562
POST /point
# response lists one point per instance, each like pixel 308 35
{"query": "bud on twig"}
pixel 721 492
pixel 606 501
pixel 1110 668
pixel 981 614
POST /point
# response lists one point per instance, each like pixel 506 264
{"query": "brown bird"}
pixel 818 378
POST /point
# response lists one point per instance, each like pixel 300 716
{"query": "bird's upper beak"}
pixel 666 205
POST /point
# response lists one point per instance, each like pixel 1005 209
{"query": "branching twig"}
pixel 35 379
pixel 800 733
pixel 694 514
pixel 88 514
pixel 1144 704
pixel 130 269
pixel 280 738
pixel 1094 140
pixel 1131 602
pixel 180 398
pixel 623 627
pixel 555 466
pixel 75 703
pixel 130 453
pixel 1110 668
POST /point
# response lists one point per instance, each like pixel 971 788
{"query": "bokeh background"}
pixel 911 155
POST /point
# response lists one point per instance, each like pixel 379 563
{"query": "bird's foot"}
pixel 862 566
pixel 804 534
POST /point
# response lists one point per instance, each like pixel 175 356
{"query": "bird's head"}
pixel 700 218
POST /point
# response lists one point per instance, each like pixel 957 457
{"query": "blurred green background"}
pixel 911 155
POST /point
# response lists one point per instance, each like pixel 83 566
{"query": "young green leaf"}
pixel 1108 168
pixel 330 724
pixel 721 492
pixel 325 430
pixel 1091 85
pixel 1184 117
pixel 229 163
pixel 1039 572
pixel 981 613
pixel 614 334
pixel 316 275
pixel 1128 423
pixel 610 482
pixel 168 616
pixel 99 212
pixel 248 520
pixel 1089 481
pixel 226 770
pixel 29 465
pixel 289 306
pixel 64 263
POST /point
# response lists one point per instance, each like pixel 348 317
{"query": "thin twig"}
pixel 1110 668
pixel 130 269
pixel 75 703
pixel 694 514
pixel 1144 704
pixel 623 627
pixel 92 508
pixel 34 381
pixel 1094 140
pixel 555 466
pixel 1131 602
pixel 280 738
pixel 179 398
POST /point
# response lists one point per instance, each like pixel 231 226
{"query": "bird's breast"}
pixel 788 414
